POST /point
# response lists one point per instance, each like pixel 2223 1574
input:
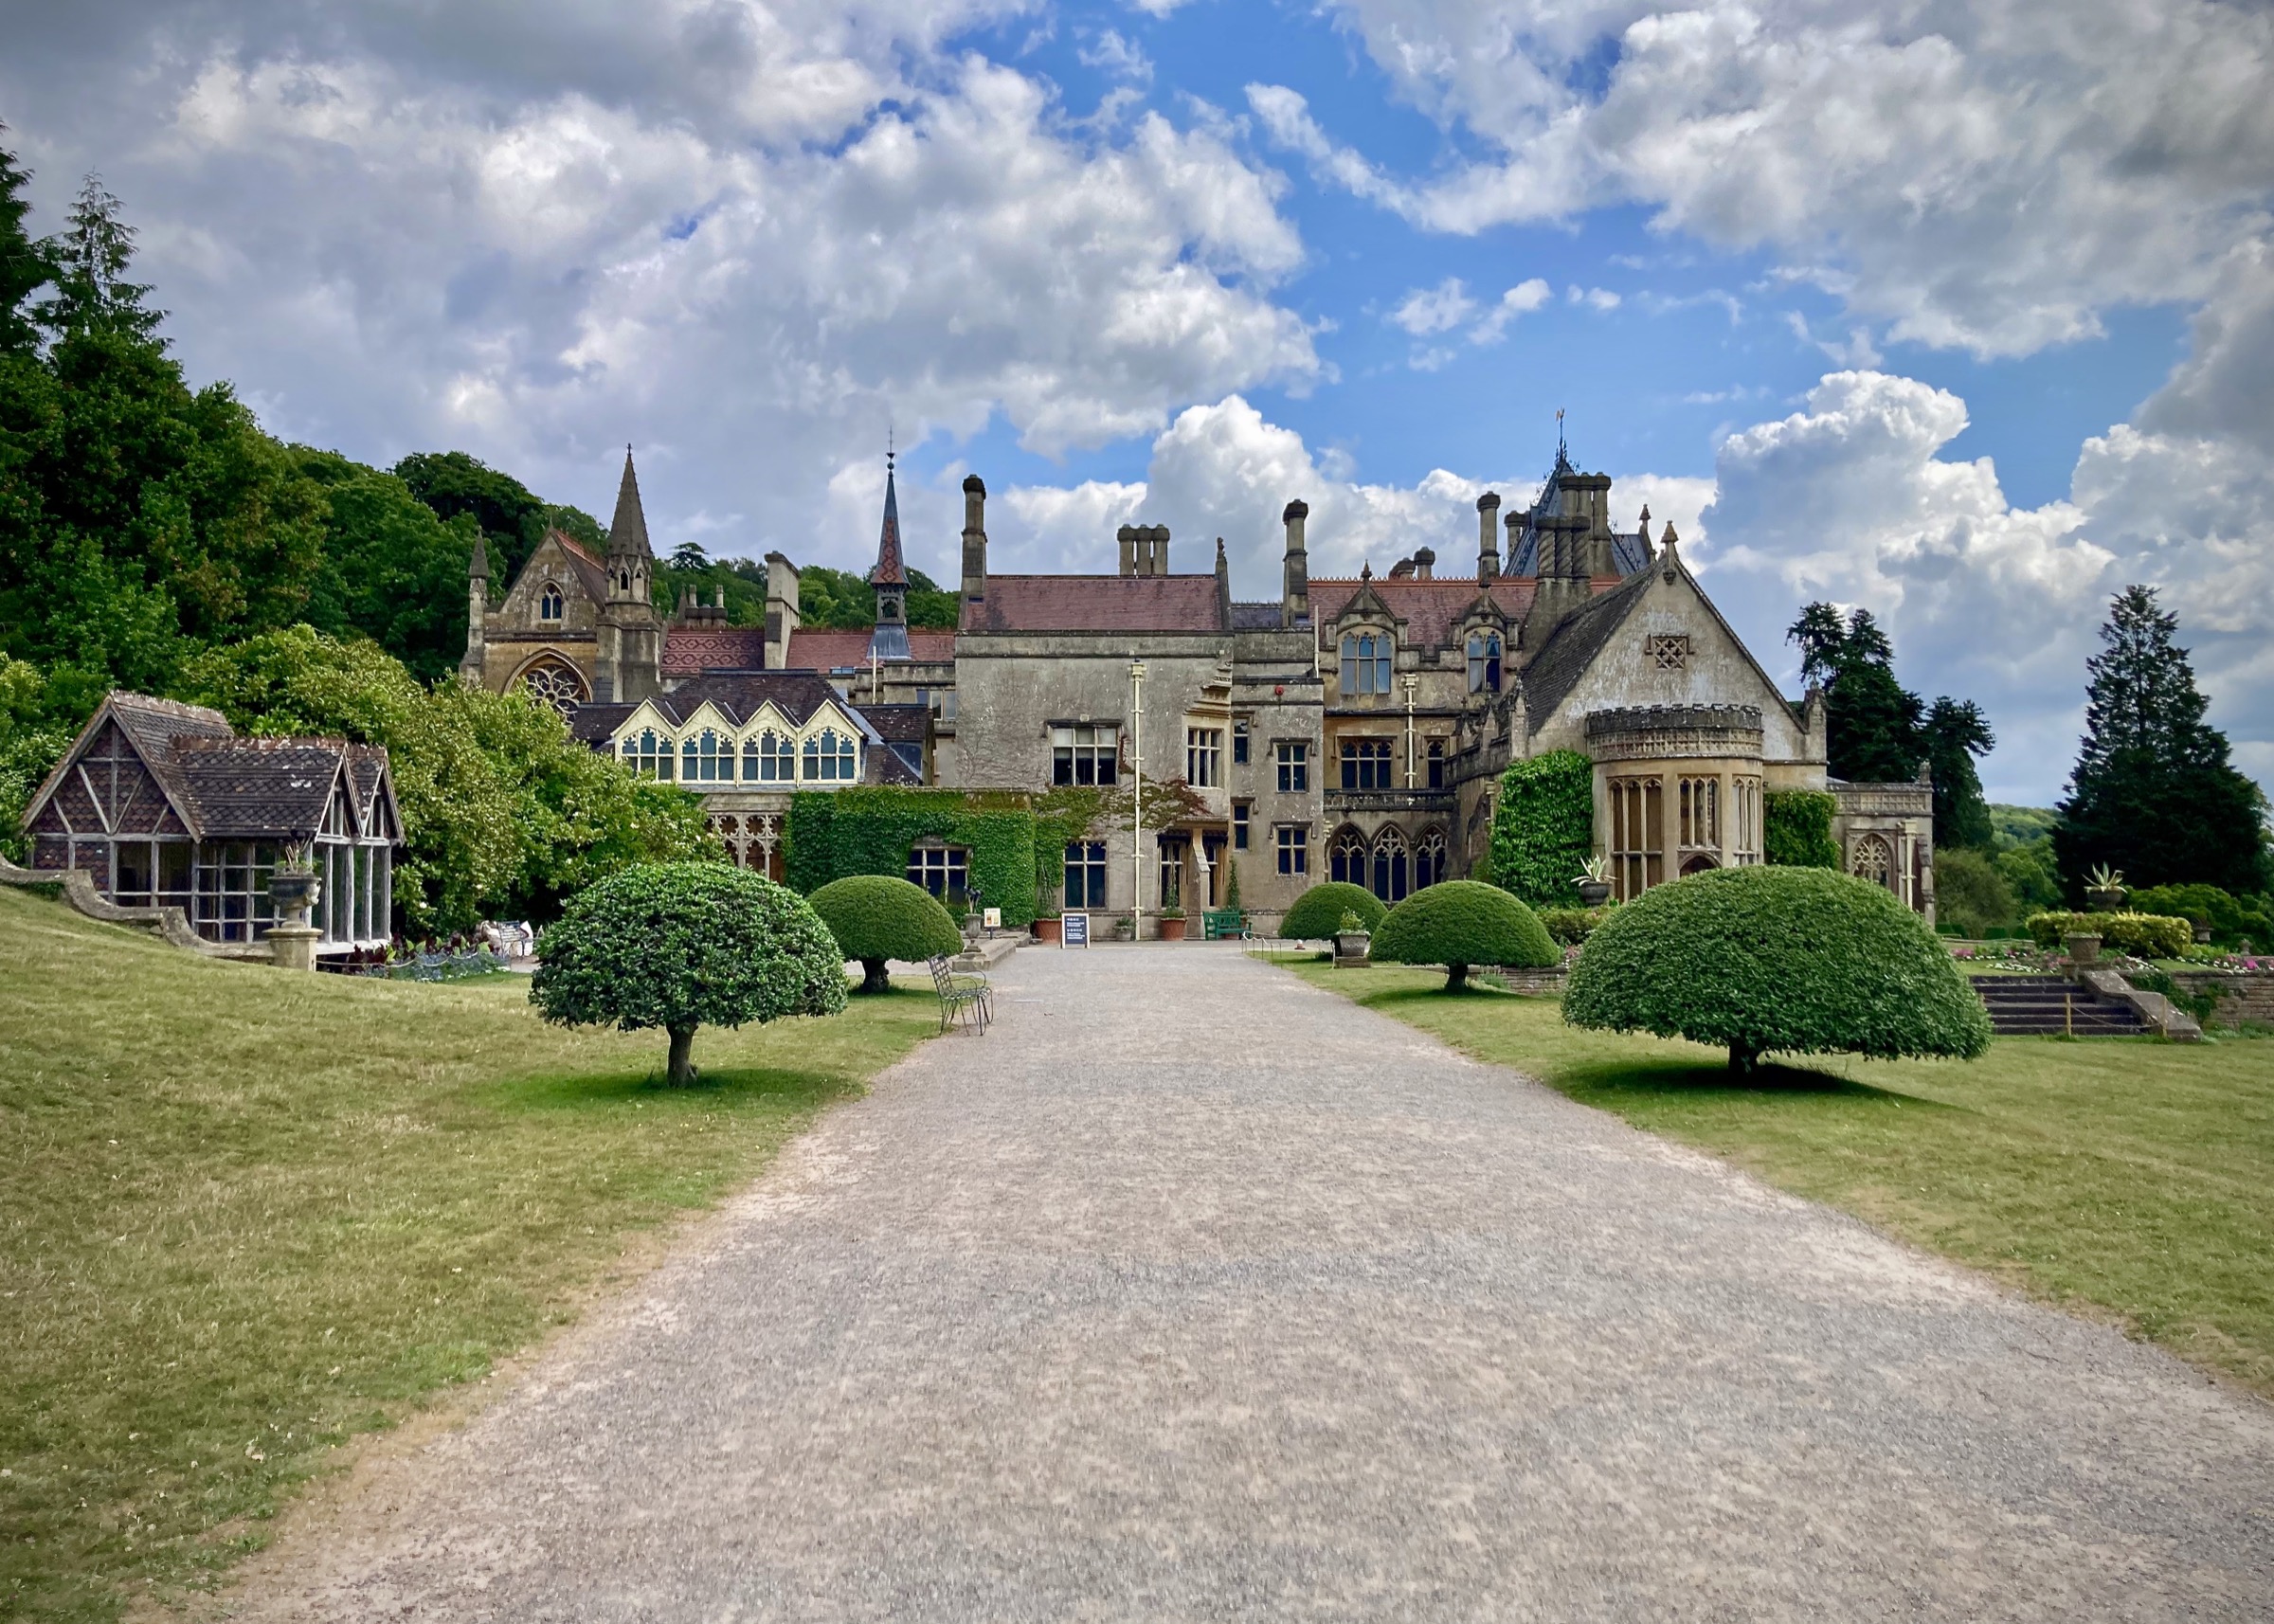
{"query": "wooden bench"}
pixel 1222 924
pixel 967 995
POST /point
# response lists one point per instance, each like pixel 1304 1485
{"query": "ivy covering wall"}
pixel 1796 829
pixel 869 830
pixel 1544 827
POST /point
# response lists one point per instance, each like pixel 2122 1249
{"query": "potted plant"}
pixel 1353 942
pixel 2084 947
pixel 1172 923
pixel 1594 882
pixel 2104 891
pixel 295 887
pixel 1050 926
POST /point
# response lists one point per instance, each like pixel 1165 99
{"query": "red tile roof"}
pixel 1429 608
pixel 688 652
pixel 1096 604
pixel 839 650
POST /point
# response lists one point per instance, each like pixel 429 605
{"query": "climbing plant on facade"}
pixel 1544 827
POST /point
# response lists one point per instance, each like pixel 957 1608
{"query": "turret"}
pixel 1294 601
pixel 477 610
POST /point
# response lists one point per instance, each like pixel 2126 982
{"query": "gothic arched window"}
pixel 557 683
pixel 1367 664
pixel 771 758
pixel 1346 858
pixel 550 605
pixel 1429 860
pixel 706 759
pixel 1391 877
pixel 647 755
pixel 829 757
pixel 1484 663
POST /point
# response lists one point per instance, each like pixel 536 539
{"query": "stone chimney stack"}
pixel 1160 550
pixel 1127 535
pixel 1294 602
pixel 781 617
pixel 1488 538
pixel 975 537
pixel 1425 563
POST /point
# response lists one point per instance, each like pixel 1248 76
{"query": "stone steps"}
pixel 2045 1006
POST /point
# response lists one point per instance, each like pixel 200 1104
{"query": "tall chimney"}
pixel 1160 534
pixel 1425 563
pixel 782 613
pixel 1514 522
pixel 975 536
pixel 1294 602
pixel 1488 538
pixel 1127 535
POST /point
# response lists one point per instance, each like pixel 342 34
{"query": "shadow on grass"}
pixel 728 1085
pixel 1686 1082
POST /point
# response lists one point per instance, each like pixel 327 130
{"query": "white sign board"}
pixel 991 918
pixel 1075 931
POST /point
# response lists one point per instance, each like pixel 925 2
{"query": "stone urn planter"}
pixel 2084 947
pixel 1352 947
pixel 1593 892
pixel 2203 935
pixel 2106 899
pixel 294 892
pixel 1049 929
pixel 1172 928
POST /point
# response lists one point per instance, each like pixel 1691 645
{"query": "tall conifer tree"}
pixel 1874 721
pixel 91 259
pixel 2154 793
pixel 24 265
pixel 1955 732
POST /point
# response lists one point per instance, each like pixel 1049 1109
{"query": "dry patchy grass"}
pixel 249 1216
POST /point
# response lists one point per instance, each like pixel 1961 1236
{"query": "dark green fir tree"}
pixel 1875 722
pixel 1955 732
pixel 24 265
pixel 2154 794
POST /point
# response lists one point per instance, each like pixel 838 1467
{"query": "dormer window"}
pixel 550 605
pixel 1365 664
pixel 1484 663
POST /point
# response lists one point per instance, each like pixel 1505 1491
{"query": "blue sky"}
pixel 1962 312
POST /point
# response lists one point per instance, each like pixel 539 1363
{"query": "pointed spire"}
pixel 477 568
pixel 627 530
pixel 889 571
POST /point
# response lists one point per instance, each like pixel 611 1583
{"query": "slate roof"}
pixel 796 694
pixel 1431 609
pixel 899 724
pixel 590 571
pixel 1096 604
pixel 1255 617
pixel 689 650
pixel 1572 646
pixel 230 788
pixel 1630 553
pixel 826 650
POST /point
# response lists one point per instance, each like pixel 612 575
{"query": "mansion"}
pixel 1353 728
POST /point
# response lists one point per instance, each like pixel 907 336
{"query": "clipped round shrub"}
pixel 1759 960
pixel 877 916
pixel 1318 913
pixel 679 945
pixel 1461 922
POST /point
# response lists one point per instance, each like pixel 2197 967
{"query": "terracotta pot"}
pixel 1172 929
pixel 1052 930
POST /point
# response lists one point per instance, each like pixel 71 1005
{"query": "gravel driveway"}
pixel 1193 1292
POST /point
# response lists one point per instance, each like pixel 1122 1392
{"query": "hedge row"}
pixel 1544 827
pixel 2142 935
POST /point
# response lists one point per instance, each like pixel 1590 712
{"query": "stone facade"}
pixel 1354 729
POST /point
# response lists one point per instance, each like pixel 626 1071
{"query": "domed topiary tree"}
pixel 681 946
pixel 1461 922
pixel 1774 959
pixel 1318 913
pixel 880 916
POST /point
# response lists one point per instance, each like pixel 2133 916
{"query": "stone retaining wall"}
pixel 2249 994
pixel 1535 984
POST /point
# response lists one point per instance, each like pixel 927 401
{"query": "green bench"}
pixel 1221 923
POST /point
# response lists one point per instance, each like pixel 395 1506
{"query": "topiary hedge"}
pixel 880 916
pixel 1461 922
pixel 681 946
pixel 1543 827
pixel 1796 829
pixel 1318 913
pixel 1777 961
pixel 870 828
pixel 2142 935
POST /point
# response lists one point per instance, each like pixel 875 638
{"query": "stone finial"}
pixel 1365 571
pixel 1667 556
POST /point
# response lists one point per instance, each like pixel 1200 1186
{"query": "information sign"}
pixel 1075 931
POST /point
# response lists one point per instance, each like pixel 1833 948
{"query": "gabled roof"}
pixel 627 530
pixel 1096 604
pixel 797 694
pixel 590 572
pixel 1571 648
pixel 689 650
pixel 1431 609
pixel 889 571
pixel 899 724
pixel 827 650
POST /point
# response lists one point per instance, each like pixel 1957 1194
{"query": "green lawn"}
pixel 248 1215
pixel 2129 1177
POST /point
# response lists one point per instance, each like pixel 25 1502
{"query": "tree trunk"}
pixel 1456 977
pixel 681 1074
pixel 1743 1060
pixel 873 977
